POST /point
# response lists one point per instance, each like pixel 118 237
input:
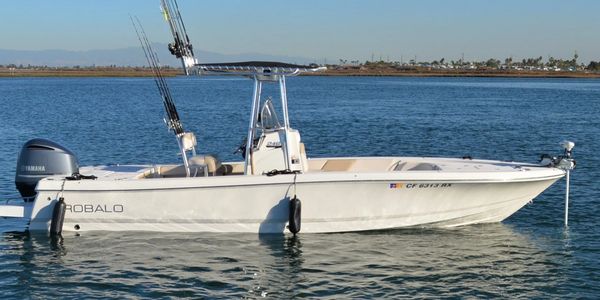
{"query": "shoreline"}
pixel 456 73
pixel 70 72
pixel 171 72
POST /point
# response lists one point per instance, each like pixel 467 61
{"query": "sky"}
pixel 319 29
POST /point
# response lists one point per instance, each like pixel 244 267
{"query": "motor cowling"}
pixel 40 158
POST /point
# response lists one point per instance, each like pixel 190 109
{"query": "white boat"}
pixel 338 194
pixel 262 193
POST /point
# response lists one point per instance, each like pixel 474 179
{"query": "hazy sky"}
pixel 332 29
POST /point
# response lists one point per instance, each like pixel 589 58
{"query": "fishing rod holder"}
pixel 187 142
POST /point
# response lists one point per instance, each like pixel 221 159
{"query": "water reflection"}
pixel 491 260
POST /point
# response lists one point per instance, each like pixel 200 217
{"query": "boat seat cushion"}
pixel 212 163
pixel 197 164
pixel 338 165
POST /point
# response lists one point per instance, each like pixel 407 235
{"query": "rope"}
pixel 295 175
pixel 280 172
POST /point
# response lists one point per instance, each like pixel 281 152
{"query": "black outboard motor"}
pixel 40 158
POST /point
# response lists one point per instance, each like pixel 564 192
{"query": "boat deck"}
pixel 317 165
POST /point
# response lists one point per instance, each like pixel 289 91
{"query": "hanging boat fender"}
pixel 58 217
pixel 295 215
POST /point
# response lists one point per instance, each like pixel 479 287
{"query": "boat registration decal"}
pixel 400 185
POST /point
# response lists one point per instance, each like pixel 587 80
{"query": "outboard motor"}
pixel 40 158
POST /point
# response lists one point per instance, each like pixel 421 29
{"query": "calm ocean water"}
pixel 117 120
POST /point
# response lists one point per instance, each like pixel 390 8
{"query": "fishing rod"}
pixel 176 46
pixel 181 47
pixel 187 38
pixel 173 122
pixel 177 26
pixel 185 140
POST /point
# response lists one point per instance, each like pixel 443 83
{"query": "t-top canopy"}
pixel 258 68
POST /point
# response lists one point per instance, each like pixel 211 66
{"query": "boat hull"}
pixel 260 204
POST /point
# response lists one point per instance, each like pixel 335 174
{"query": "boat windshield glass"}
pixel 268 117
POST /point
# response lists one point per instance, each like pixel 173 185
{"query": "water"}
pixel 115 120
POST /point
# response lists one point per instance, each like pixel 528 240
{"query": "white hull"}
pixel 331 201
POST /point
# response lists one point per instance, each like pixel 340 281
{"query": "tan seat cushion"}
pixel 338 165
pixel 171 171
pixel 211 161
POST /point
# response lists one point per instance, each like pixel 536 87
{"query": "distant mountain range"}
pixel 132 56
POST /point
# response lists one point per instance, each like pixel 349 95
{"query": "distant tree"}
pixel 573 62
pixel 492 63
pixel 533 62
pixel 538 61
pixel 593 66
